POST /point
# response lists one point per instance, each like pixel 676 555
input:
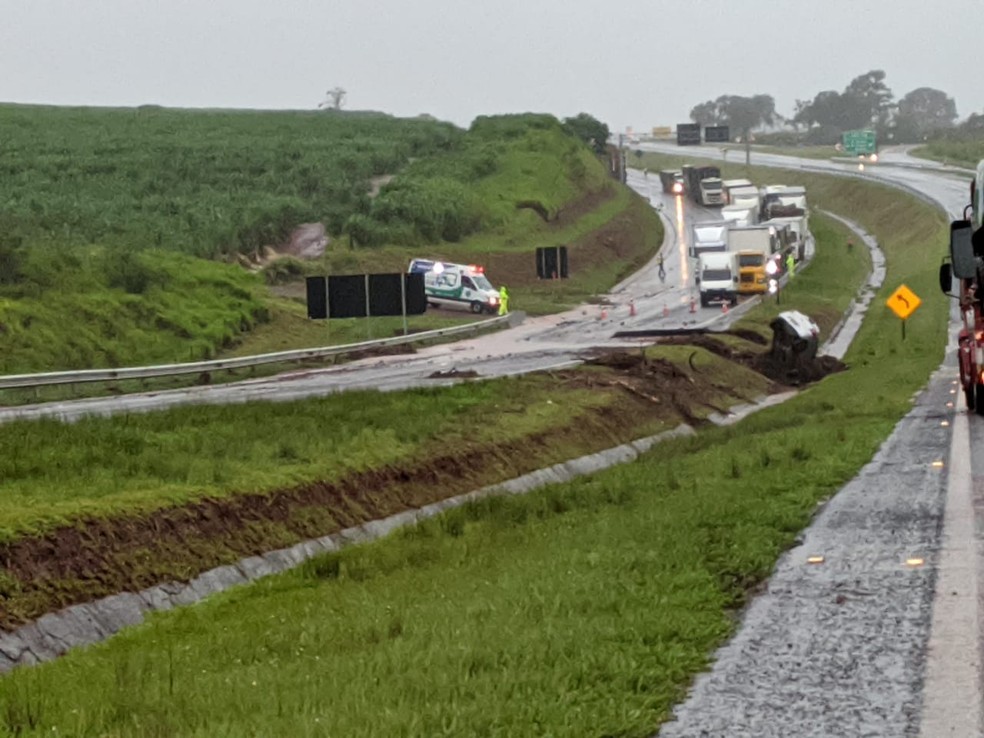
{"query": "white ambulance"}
pixel 457 285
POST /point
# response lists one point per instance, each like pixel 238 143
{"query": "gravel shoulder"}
pixel 838 648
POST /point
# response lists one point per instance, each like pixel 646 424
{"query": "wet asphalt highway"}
pixel 538 343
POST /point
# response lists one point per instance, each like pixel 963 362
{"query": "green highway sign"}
pixel 857 143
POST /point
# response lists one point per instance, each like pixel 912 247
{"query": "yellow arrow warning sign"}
pixel 903 302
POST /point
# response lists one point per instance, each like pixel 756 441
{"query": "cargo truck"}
pixel 745 196
pixel 711 192
pixel 798 232
pixel 672 181
pixel 708 237
pixel 784 202
pixel 740 215
pixel 754 246
pixel 703 184
pixel 730 185
pixel 717 277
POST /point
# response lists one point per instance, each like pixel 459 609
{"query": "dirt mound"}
pixel 307 241
pixel 453 374
pixel 801 372
pixel 657 381
pixel 764 362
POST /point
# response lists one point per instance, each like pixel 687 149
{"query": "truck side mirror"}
pixel 962 250
pixel 946 278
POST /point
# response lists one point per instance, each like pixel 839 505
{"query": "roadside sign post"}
pixel 903 302
pixel 368 313
pixel 859 143
pixel 403 303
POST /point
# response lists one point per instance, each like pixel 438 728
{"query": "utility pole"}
pixel 621 158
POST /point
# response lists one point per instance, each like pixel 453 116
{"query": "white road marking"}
pixel 952 691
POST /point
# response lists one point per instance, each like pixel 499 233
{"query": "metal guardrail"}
pixel 13 381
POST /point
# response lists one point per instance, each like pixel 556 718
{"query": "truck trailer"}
pixel 708 237
pixel 729 185
pixel 798 232
pixel 740 216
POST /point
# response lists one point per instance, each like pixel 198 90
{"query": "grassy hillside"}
pixel 108 217
pixel 200 182
pixel 956 153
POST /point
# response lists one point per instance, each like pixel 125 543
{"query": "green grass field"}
pixel 967 154
pixel 55 472
pixel 582 609
pixel 109 211
pixel 200 182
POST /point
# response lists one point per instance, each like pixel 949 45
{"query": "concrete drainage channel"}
pixel 56 633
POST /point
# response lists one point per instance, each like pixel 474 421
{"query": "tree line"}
pixel 866 102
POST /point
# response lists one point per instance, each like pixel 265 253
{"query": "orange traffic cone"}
pixel 632 310
pixel 604 313
pixel 666 312
pixel 693 305
pixel 724 308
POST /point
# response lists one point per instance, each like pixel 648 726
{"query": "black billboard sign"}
pixel 717 134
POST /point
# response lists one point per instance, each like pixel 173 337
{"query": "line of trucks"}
pixel 756 227
pixel 732 253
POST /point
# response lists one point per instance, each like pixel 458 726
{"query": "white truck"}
pixel 781 201
pixel 740 215
pixel 730 185
pixel 457 285
pixel 711 191
pixel 798 226
pixel 746 196
pixel 708 237
pixel 754 246
pixel 717 277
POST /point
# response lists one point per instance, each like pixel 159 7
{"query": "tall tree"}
pixel 589 129
pixel 866 102
pixel 706 114
pixel 747 113
pixel 870 100
pixel 923 111
pixel 334 99
pixel 741 113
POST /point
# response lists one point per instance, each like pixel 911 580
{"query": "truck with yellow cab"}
pixel 754 246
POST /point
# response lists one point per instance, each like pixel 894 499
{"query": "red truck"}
pixel 965 265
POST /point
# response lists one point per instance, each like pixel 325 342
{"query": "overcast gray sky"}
pixel 635 62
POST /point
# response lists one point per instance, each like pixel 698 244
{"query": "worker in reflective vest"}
pixel 503 301
pixel 790 265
